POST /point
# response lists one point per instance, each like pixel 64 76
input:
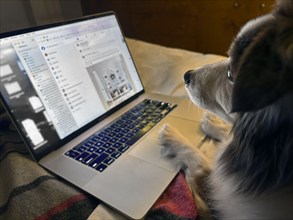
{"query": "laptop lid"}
pixel 60 79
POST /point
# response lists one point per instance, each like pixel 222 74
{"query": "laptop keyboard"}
pixel 103 148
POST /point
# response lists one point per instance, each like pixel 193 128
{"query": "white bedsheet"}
pixel 162 68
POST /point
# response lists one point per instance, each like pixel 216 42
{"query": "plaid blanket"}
pixel 27 191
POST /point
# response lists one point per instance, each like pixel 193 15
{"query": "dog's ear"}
pixel 265 71
pixel 284 8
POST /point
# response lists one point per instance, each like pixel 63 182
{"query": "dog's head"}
pixel 258 72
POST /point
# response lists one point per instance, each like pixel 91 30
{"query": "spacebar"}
pixel 139 134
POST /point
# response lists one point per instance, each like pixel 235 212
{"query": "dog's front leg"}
pixel 215 128
pixel 190 159
pixel 183 154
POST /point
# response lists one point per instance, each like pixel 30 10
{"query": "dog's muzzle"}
pixel 187 76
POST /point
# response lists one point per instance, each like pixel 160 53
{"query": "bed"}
pixel 27 191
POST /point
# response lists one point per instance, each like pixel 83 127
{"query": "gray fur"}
pixel 251 176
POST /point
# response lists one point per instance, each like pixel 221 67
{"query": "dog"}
pixel 251 175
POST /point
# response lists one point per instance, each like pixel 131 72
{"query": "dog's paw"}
pixel 183 155
pixel 171 141
pixel 214 127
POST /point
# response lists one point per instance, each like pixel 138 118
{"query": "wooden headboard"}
pixel 206 26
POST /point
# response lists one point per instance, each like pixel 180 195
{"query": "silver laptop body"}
pixel 63 84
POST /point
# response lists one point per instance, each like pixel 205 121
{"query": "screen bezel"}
pixel 40 153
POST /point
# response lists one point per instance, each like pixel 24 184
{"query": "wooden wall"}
pixel 206 26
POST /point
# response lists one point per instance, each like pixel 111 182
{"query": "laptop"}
pixel 76 98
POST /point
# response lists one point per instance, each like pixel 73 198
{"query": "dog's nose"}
pixel 187 77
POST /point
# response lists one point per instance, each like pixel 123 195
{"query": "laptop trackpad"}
pixel 148 148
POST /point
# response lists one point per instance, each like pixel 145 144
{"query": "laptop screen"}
pixel 57 80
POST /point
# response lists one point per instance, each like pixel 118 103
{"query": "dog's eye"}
pixel 230 77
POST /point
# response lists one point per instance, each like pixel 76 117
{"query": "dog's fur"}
pixel 252 174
